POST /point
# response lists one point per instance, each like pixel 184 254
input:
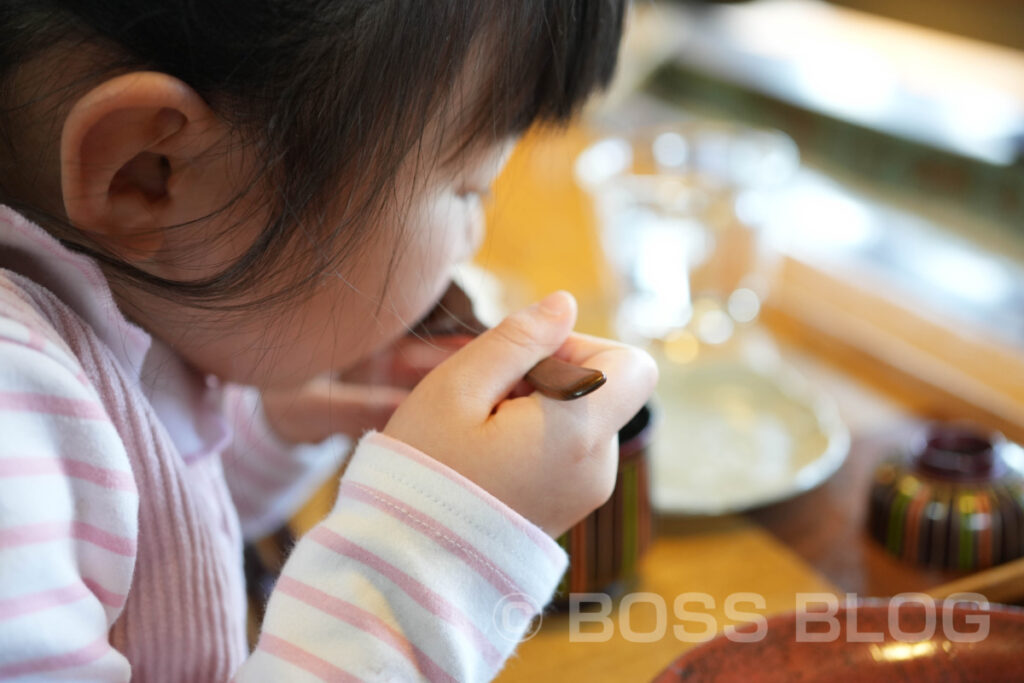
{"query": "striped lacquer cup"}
pixel 604 548
pixel 954 499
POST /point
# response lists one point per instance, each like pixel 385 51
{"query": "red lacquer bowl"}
pixel 906 642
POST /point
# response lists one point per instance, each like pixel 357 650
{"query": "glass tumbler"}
pixel 667 201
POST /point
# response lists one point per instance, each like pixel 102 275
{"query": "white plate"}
pixel 730 438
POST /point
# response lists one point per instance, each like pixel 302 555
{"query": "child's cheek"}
pixel 456 229
pixel 442 233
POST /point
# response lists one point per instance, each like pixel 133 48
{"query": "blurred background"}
pixel 812 214
pixel 895 245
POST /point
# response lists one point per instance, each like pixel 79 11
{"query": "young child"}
pixel 212 211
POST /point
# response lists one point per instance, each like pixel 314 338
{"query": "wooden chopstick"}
pixel 1003 583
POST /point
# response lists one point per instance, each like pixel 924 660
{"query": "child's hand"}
pixel 552 461
pixel 359 399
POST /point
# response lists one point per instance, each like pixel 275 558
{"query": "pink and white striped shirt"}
pixel 127 482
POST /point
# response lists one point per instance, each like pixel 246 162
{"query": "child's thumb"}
pixel 490 366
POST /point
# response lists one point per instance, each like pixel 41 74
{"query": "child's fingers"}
pixel 354 409
pixel 579 348
pixel 631 377
pixel 488 368
pixel 404 363
pixel 325 407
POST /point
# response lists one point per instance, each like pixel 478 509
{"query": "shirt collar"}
pixel 187 403
pixel 77 281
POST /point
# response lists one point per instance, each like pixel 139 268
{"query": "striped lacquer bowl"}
pixel 955 500
pixel 604 548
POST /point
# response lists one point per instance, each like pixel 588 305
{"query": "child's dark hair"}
pixel 335 93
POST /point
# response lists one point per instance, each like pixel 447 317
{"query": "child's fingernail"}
pixel 553 305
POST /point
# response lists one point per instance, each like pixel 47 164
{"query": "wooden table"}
pixel 718 557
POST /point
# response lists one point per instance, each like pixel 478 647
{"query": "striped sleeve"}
pixel 269 479
pixel 68 512
pixel 417 574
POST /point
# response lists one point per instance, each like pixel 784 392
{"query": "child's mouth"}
pixel 451 315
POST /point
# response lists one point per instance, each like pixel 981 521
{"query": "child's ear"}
pixel 128 160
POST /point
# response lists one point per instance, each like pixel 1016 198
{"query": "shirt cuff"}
pixel 513 565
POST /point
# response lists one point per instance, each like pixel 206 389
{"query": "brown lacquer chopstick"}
pixel 552 377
